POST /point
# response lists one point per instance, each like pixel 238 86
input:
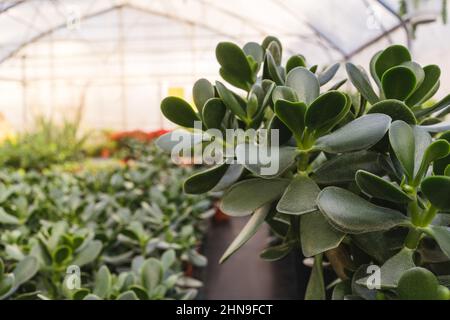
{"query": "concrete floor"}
pixel 245 275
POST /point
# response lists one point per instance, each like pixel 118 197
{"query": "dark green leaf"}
pixel 213 113
pixel 328 74
pixel 299 197
pixel 427 88
pixel 252 226
pixel 61 254
pixel 294 62
pixel 275 71
pixel 438 106
pixel 440 165
pixel 230 101
pixel 418 284
pixel 377 187
pixel 258 192
pixel 401 137
pixel 398 83
pixel 284 93
pixel 202 91
pixel 204 181
pixel 316 285
pixel 293 116
pixel 276 253
pixel 395 109
pixel 352 214
pixel 361 82
pixel 317 235
pixel 437 190
pixel 179 112
pixel 391 57
pixel 235 66
pixel 359 134
pixel 326 111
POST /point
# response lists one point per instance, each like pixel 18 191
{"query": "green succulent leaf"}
pixel 231 101
pixel 395 109
pixel 6 286
pixel 327 111
pixel 206 180
pixel 304 83
pixel 293 116
pixel 438 106
pixel 103 282
pixel 179 112
pixel 317 235
pixel 315 289
pixel 178 138
pixel 294 62
pixel 401 137
pixel 361 81
pixel 380 188
pixel 352 214
pixel 258 192
pixel 235 66
pixel 299 197
pixel 328 74
pixel 398 83
pixel 127 295
pixel 61 254
pixel 264 161
pixel 278 252
pixel 435 151
pixel 249 230
pixel 254 50
pixel 442 236
pixel 275 71
pixel 393 269
pixel 6 218
pixel 25 270
pixel 202 91
pixel 88 253
pixel 343 168
pixel 151 273
pixel 390 57
pixel 359 134
pixel 427 88
pixel 213 113
pixel 440 165
pixel 284 93
pixel 418 284
pixel 437 189
pixel 418 71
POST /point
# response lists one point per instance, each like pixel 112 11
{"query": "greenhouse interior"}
pixel 224 150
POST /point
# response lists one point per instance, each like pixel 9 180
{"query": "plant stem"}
pixel 413 238
pixel 414 212
pixel 428 216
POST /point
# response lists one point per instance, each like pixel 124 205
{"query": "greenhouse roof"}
pixel 54 53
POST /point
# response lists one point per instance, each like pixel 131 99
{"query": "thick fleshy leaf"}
pixel 127 295
pixel 418 284
pixel 401 137
pixel 213 113
pixel 373 72
pixel 230 101
pixel 299 197
pixel 442 236
pixel 275 71
pixel 88 253
pixel 284 93
pixel 427 88
pixel 6 286
pixel 281 130
pixel 276 253
pixel 202 91
pixel 362 290
pixel 264 161
pixel 102 282
pixel 381 245
pixel 343 168
pixel 328 74
pixel 304 83
pixel 326 111
pixel 438 106
pixel 61 254
pixel 359 134
pixel 398 83
pixel 25 270
pixel 258 192
pixel 422 141
pixel 392 270
pixel 294 62
pixel 317 235
pixel 293 116
pixel 440 165
pixel 341 290
pixel 418 71
pixel 151 273
pixel 361 81
pixel 352 214
pixel 234 65
pixel 395 109
pixel 391 57
pixel 437 190
pixel 437 150
pixel 316 285
pixel 233 173
pixel 179 112
pixel 249 230
pixel 254 50
pixel 205 181
pixel 380 188
pixel 6 218
pixel 436 128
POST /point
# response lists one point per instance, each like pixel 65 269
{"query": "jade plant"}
pixel 361 184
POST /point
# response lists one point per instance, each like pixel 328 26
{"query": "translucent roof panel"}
pixel 116 59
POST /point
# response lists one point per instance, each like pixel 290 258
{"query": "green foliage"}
pixel 354 186
pixel 129 228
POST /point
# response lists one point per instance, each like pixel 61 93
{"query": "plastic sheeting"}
pixel 113 60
